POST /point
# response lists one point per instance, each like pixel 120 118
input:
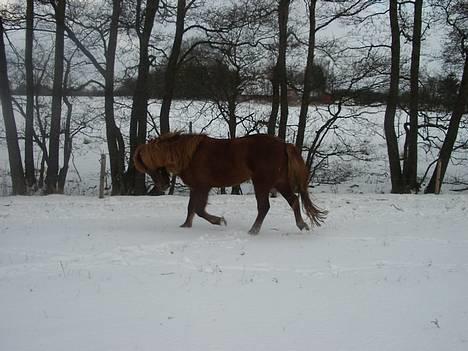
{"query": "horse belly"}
pixel 216 175
pixel 228 176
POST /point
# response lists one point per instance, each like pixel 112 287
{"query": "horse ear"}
pixel 138 160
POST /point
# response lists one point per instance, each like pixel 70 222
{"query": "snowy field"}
pixel 385 272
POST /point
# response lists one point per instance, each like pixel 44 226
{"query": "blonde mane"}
pixel 175 150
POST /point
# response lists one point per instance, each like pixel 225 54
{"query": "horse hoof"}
pixel 185 225
pixel 303 226
pixel 222 221
pixel 253 231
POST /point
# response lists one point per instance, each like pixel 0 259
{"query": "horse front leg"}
pixel 200 209
pixel 263 205
pixel 197 204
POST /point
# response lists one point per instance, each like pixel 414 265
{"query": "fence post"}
pixel 102 176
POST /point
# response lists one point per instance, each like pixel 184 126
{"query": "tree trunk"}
pixel 305 101
pixel 410 166
pixel 389 119
pixel 57 92
pixel 138 120
pixel 40 182
pixel 29 122
pixel 67 148
pixel 283 11
pixel 14 153
pixel 67 145
pixel 232 116
pixel 452 131
pixel 171 70
pixel 115 141
pixel 275 101
pixel 232 106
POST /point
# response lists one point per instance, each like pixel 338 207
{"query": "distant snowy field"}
pixel 385 272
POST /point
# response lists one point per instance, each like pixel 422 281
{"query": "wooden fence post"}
pixel 102 176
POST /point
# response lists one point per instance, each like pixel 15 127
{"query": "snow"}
pixel 385 272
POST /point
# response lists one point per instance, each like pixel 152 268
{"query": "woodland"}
pixel 297 59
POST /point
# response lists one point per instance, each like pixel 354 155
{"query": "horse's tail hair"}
pixel 298 179
pixel 138 160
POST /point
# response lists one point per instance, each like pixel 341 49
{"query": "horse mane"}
pixel 176 149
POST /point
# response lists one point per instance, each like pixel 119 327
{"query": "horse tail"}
pixel 298 176
pixel 138 160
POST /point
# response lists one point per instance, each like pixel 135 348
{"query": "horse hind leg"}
pixel 293 201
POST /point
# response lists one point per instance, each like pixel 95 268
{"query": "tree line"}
pixel 274 50
pixel 198 80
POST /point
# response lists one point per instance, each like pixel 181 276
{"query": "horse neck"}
pixel 180 152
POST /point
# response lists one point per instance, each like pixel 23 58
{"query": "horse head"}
pixel 149 159
pixel 161 178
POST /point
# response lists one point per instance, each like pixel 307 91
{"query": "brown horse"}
pixel 203 162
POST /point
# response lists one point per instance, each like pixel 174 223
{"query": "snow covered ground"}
pixel 385 272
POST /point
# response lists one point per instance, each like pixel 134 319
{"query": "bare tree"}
pixel 344 68
pixel 67 129
pixel 57 93
pixel 114 136
pixel 14 154
pixel 172 65
pixel 392 102
pixel 346 10
pixel 41 75
pixel 456 15
pixel 138 119
pixel 279 80
pixel 305 101
pixel 29 120
pixel 410 165
pixel 404 179
pixel 233 55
